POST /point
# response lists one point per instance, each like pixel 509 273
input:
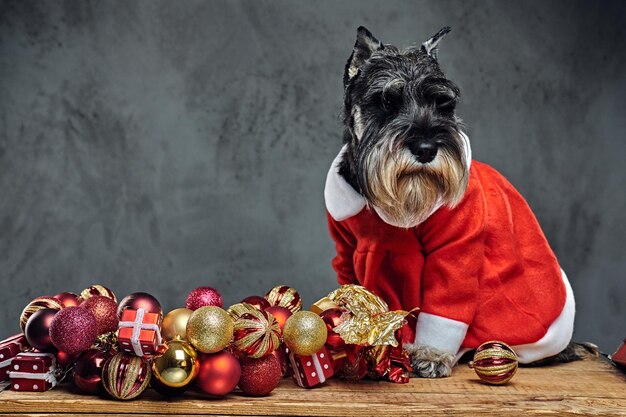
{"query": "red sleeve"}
pixel 345 243
pixel 453 241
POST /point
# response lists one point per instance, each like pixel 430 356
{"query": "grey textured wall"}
pixel 160 145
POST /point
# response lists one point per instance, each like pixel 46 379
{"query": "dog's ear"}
pixel 365 44
pixel 431 46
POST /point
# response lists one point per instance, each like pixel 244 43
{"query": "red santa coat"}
pixel 480 271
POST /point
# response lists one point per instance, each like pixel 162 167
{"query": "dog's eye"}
pixel 391 101
pixel 445 103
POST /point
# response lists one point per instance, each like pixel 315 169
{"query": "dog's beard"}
pixel 405 192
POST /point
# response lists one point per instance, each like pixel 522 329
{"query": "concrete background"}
pixel 160 145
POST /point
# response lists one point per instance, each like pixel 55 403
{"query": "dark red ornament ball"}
pixel 283 358
pixel 281 314
pixel 73 330
pixel 258 302
pixel 104 309
pixel 219 372
pixel 260 376
pixel 139 300
pixel 204 296
pixel 37 330
pixel 64 359
pixel 87 372
pixel 68 299
pixel 332 318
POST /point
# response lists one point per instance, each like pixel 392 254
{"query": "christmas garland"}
pixel 120 349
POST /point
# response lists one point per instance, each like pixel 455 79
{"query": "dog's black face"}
pixel 406 153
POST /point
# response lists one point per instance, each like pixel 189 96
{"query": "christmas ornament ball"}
pixel 64 359
pixel 494 362
pixel 260 303
pixel 332 318
pixel 305 333
pixel 284 296
pixel 139 300
pixel 37 304
pixel 256 333
pixel 104 309
pixel 174 325
pixel 97 290
pixel 87 371
pixel 260 376
pixel 68 299
pixel 125 376
pixel 219 373
pixel 73 330
pixel 175 369
pixel 37 331
pixel 281 314
pixel 210 329
pixel 203 296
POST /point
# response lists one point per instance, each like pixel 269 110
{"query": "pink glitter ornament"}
pixel 204 296
pixel 73 330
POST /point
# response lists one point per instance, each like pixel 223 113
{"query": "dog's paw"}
pixel 429 362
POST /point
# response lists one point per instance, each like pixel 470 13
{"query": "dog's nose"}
pixel 425 151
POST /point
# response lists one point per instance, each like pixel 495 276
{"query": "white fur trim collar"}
pixel 343 201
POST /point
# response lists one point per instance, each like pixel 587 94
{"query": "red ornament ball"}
pixel 68 299
pixel 37 304
pixel 87 372
pixel 284 296
pixel 139 300
pixel 37 331
pixel 203 296
pixel 260 303
pixel 64 359
pixel 332 318
pixel 494 362
pixel 219 373
pixel 281 314
pixel 283 358
pixel 260 376
pixel 73 330
pixel 125 376
pixel 104 310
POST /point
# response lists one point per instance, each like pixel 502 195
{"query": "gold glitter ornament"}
pixel 174 370
pixel 305 333
pixel 174 325
pixel 210 329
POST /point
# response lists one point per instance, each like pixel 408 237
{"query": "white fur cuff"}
pixel 445 335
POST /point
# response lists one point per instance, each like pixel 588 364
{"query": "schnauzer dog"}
pixel 421 224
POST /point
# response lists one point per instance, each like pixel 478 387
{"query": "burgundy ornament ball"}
pixel 37 304
pixel 87 372
pixel 104 309
pixel 219 373
pixel 37 331
pixel 203 296
pixel 68 299
pixel 139 300
pixel 260 376
pixel 281 314
pixel 260 303
pixel 73 330
pixel 64 359
pixel 332 318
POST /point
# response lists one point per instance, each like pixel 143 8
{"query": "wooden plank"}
pixel 588 387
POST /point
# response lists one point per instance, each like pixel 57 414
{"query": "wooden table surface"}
pixel 590 387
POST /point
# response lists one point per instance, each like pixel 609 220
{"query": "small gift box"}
pixel 619 356
pixel 9 348
pixel 309 371
pixel 139 332
pixel 33 371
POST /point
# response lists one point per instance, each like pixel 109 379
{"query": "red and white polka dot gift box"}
pixel 33 371
pixel 309 371
pixel 9 349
